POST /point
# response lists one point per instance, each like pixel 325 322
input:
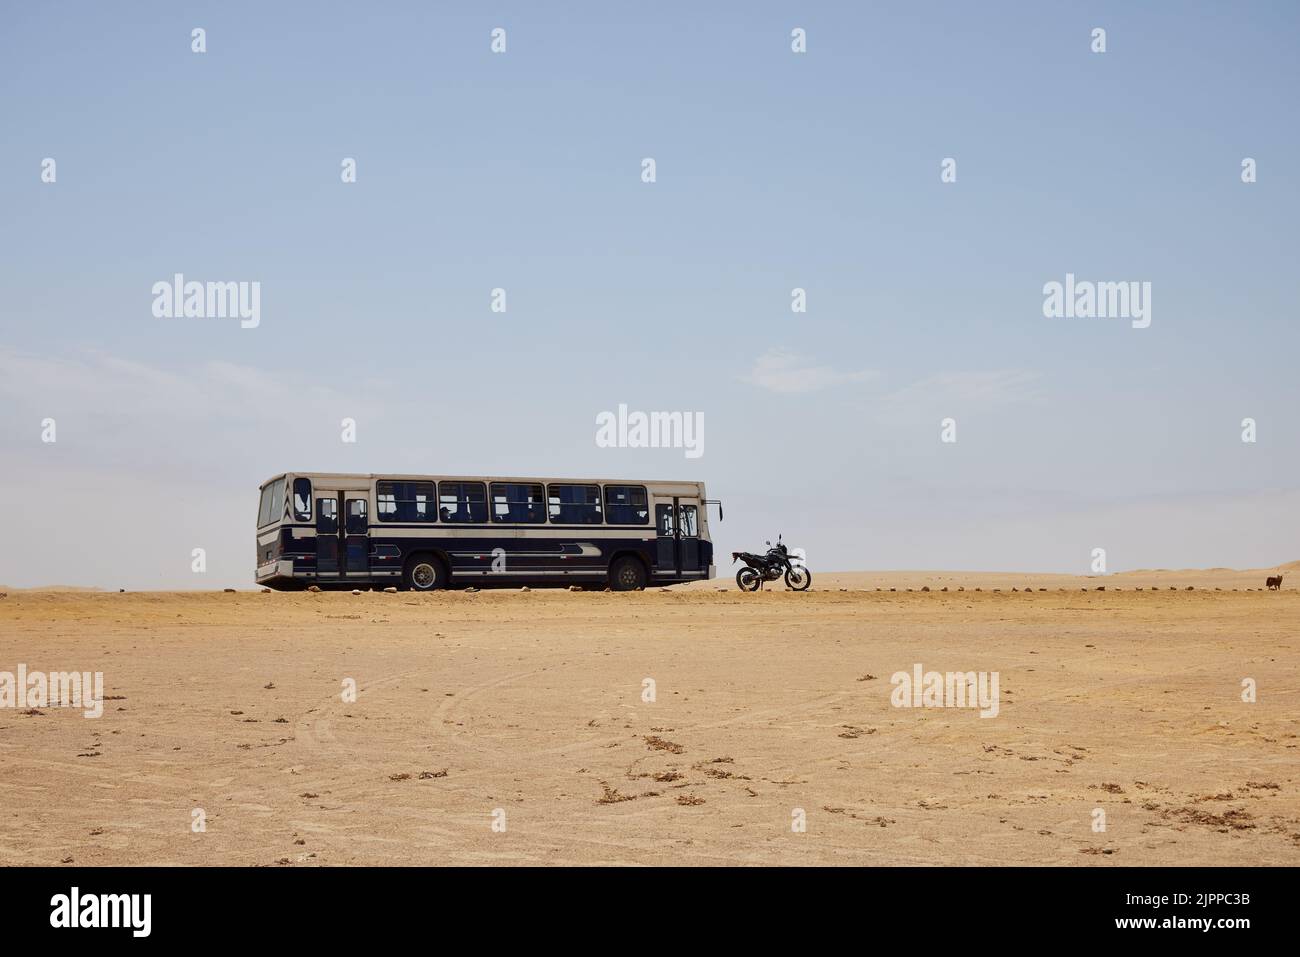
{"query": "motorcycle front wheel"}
pixel 797 578
pixel 747 579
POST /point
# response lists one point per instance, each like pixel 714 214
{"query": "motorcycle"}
pixel 771 566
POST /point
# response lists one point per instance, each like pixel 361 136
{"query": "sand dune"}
pixel 93 588
pixel 1224 578
pixel 527 708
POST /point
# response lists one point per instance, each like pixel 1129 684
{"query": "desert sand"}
pixel 526 709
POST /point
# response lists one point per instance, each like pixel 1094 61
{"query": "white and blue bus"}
pixel 424 532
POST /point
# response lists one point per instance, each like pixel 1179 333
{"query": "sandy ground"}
pixel 475 708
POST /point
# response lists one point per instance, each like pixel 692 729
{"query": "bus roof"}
pixel 413 477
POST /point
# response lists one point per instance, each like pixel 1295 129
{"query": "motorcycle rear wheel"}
pixel 748 580
pixel 797 578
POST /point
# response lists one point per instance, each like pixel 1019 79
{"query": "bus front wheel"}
pixel 627 574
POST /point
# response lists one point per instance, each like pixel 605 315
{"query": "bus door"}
pixel 356 533
pixel 678 536
pixel 688 534
pixel 328 534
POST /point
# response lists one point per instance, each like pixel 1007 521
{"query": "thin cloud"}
pixel 780 371
pixel 94 382
pixel 968 388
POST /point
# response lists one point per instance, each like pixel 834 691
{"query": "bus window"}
pixel 356 518
pixel 626 505
pixel 302 500
pixel 574 504
pixel 518 503
pixel 463 503
pixel 664 520
pixel 405 501
pixel 687 522
pixel 327 516
pixel 271 508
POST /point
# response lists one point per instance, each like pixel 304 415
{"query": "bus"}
pixel 425 532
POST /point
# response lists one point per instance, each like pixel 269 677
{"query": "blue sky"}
pixel 774 171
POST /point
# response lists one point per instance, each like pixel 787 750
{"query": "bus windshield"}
pixel 272 506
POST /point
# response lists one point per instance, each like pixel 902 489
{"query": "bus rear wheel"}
pixel 627 574
pixel 424 573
